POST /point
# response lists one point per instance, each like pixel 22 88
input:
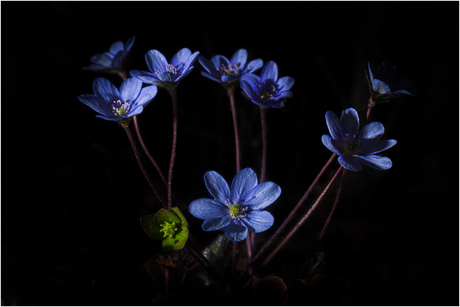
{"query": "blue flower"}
pixel 226 72
pixel 239 209
pixel 166 74
pixel 113 59
pixel 116 105
pixel 267 91
pixel 387 83
pixel 354 146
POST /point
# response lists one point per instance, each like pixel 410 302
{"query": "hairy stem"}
pixel 235 128
pixel 264 143
pixel 173 150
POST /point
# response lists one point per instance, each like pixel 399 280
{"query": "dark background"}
pixel 72 193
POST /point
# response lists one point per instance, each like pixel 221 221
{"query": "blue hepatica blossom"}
pixel 353 146
pixel 226 72
pixel 267 91
pixel 387 83
pixel 166 74
pixel 113 59
pixel 238 210
pixel 116 105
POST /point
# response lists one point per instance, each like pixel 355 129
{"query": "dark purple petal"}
pixel 205 208
pixel 236 231
pixel 258 221
pixel 216 223
pixel 242 184
pixel 218 187
pixel 374 161
pixel 326 139
pixel 334 125
pixel 350 163
pixel 263 195
pixel 269 72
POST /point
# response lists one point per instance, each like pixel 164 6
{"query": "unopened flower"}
pixel 165 74
pixel 239 209
pixel 112 60
pixel 116 105
pixel 353 146
pixel 226 72
pixel 267 91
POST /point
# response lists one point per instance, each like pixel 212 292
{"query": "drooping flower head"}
pixel 267 91
pixel 116 105
pixel 166 74
pixel 112 60
pixel 239 209
pixel 386 87
pixel 353 146
pixel 226 72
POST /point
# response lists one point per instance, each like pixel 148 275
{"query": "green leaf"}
pixel 183 221
pixel 177 241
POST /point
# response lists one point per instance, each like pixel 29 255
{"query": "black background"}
pixel 72 193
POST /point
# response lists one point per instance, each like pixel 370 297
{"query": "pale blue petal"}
pixel 216 223
pixel 285 83
pixel 350 163
pixel 370 134
pixel 284 95
pixel 181 56
pixel 96 104
pixel 218 187
pixel 156 61
pixel 205 208
pixel 130 89
pixel 378 147
pixel 377 162
pixel 258 221
pixel 146 95
pixel 254 65
pixel 269 72
pixel 207 75
pixel 263 195
pixel 350 122
pixel 240 57
pixel 242 184
pixel 144 76
pixel 380 87
pixel 236 231
pixel 326 139
pixel 105 90
pixel 117 46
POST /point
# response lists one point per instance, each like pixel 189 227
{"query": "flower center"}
pixel 120 108
pixel 237 212
pixel 231 68
pixel 169 68
pixel 169 229
pixel 267 91
pixel 351 145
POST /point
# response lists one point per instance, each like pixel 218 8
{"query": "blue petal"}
pixel 188 62
pixel 284 95
pixel 269 72
pixel 117 60
pixel 135 110
pixel 216 223
pixel 258 221
pixel 146 95
pixel 144 76
pixel 253 66
pixel 374 161
pixel 96 104
pixel 181 56
pixel 206 64
pixel 334 125
pixel 285 83
pixel 380 87
pixel 242 184
pixel 156 61
pixel 205 208
pixel 378 147
pixel 105 90
pixel 128 45
pixel 263 195
pixel 350 122
pixel 240 57
pixel 218 187
pixel 370 72
pixel 236 231
pixel 350 163
pixel 247 87
pixel 404 92
pixel 370 134
pixel 207 75
pixel 326 139
pixel 102 59
pixel 218 61
pixel 117 46
pixel 130 89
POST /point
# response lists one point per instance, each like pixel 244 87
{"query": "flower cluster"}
pixel 112 60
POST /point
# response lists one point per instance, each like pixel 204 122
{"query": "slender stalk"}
pixel 173 151
pixel 146 151
pixel 304 218
pixel 333 206
pixel 264 143
pixel 141 165
pixel 235 127
pixel 291 215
